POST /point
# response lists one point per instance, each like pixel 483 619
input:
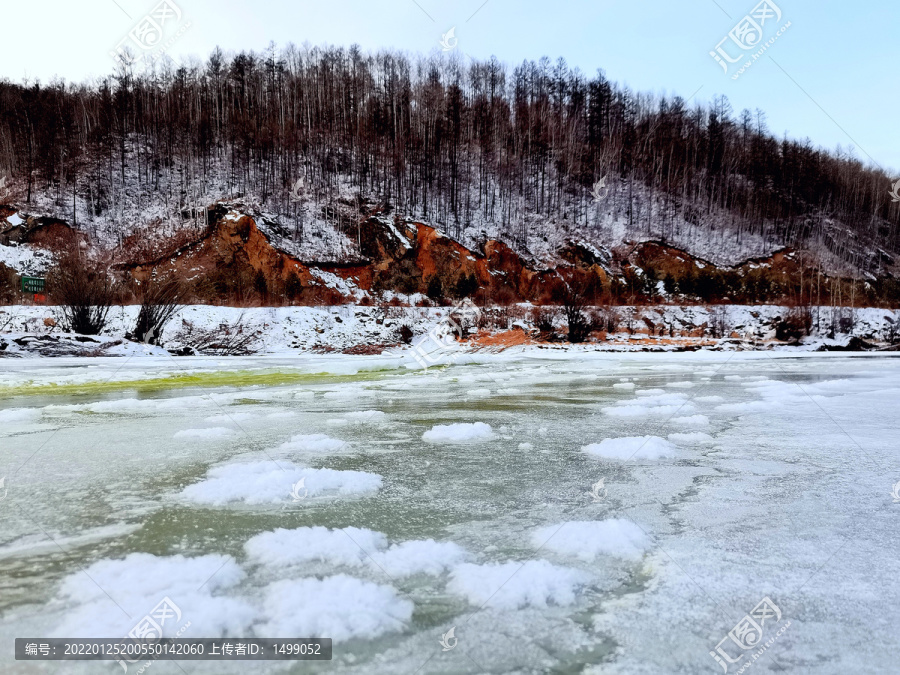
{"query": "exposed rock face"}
pixel 243 251
pixel 52 234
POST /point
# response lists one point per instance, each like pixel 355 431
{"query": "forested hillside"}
pixel 322 138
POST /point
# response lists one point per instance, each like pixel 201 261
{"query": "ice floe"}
pixel 586 539
pixel 268 482
pixel 514 585
pixel 631 447
pixel 462 432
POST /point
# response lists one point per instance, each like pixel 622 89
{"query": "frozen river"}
pixel 561 512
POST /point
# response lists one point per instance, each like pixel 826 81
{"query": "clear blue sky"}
pixel 831 77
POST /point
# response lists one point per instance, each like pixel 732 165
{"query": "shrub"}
pixel 573 302
pixel 543 319
pixel 796 324
pixel 405 334
pixel 84 293
pixel 160 300
pixel 226 339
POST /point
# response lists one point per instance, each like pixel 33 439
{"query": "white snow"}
pixel 353 547
pixel 96 600
pixel 588 539
pixel 11 415
pixel 692 422
pixel 267 482
pixel 513 585
pixel 462 432
pixel 313 443
pixel 650 405
pixel 209 434
pixel 419 557
pixel 365 416
pixel 340 607
pixel 347 546
pixel 623 385
pixel 633 447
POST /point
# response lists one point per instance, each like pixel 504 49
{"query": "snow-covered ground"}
pixel 289 330
pixel 560 511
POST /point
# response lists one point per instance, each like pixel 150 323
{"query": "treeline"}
pixel 456 142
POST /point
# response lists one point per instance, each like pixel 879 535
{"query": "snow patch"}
pixel 631 447
pixel 268 482
pixel 340 607
pixel 513 585
pixel 462 432
pixel 588 539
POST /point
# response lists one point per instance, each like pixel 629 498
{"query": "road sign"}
pixel 32 285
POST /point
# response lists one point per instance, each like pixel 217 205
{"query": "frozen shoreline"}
pixel 34 330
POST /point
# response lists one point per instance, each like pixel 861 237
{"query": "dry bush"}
pixel 574 303
pixel 160 300
pixel 718 321
pixel 606 318
pixel 405 334
pixel 226 339
pixel 544 319
pixel 796 324
pixel 494 318
pixel 84 292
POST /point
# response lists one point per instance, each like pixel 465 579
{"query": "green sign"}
pixel 32 285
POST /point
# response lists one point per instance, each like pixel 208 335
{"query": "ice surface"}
pixel 691 438
pixel 314 443
pixel 787 494
pixel 366 417
pixel 691 422
pixel 209 434
pixel 647 404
